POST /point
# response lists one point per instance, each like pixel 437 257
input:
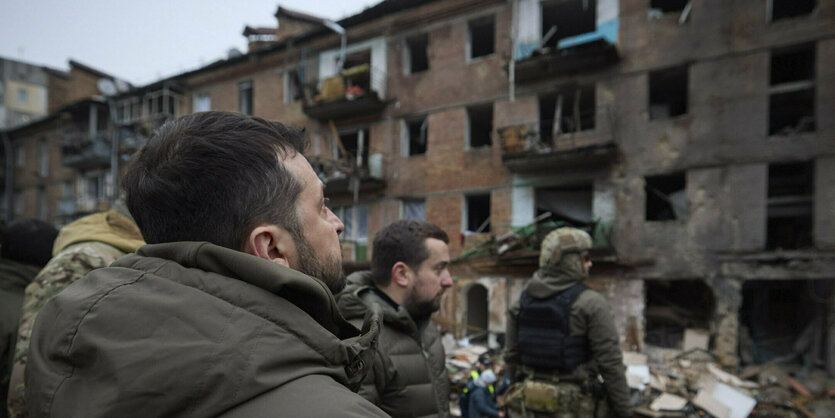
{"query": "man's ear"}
pixel 401 274
pixel 272 243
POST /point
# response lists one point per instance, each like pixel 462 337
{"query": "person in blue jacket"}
pixel 481 400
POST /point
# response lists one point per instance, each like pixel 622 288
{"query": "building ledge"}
pixel 345 108
pixel 590 155
pixel 577 57
pixel 342 185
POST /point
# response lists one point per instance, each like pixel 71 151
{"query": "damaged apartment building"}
pixel 689 137
pixel 686 136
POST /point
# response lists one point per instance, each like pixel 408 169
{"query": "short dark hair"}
pixel 402 241
pixel 214 176
pixel 28 241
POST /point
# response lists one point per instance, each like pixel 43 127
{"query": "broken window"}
pixel 785 9
pixel 477 213
pixel 478 313
pixel 790 205
pixel 480 125
pixel 41 207
pixel 668 92
pixel 413 209
pixel 416 57
pixel 482 37
pixel 357 72
pixel 292 86
pixel 566 18
pixel 569 205
pixel 785 320
pixel 573 106
pixel 355 143
pixel 672 306
pixel 666 6
pixel 666 198
pixel 791 104
pixel 245 97
pixel 415 136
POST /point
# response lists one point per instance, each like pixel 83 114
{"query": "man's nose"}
pixel 336 222
pixel 446 279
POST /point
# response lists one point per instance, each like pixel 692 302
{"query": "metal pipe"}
pixel 343 42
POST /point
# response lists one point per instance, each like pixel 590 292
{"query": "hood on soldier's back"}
pixel 109 227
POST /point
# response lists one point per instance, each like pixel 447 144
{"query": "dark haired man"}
pixel 407 279
pixel 25 246
pixel 228 310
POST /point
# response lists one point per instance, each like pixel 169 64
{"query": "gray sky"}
pixel 142 40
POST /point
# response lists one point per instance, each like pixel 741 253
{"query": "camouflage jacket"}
pixel 87 244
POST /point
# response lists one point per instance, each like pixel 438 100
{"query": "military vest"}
pixel 545 341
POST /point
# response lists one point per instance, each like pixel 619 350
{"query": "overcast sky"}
pixel 142 40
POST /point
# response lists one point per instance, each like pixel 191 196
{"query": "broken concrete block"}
pixel 695 338
pixel 631 358
pixel 728 378
pixel 637 377
pixel 668 402
pixel 724 401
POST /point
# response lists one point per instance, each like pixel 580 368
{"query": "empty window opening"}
pixel 477 215
pixel 357 72
pixel 480 125
pixel 790 206
pixel 413 209
pixel 566 18
pixel 672 306
pixel 572 106
pixel 356 146
pixel 567 206
pixel 795 64
pixel 785 321
pixel 416 135
pixel 293 90
pixel 785 9
pixel 791 102
pixel 477 313
pixel 42 209
pixel 667 6
pixel 417 58
pixel 245 97
pixel 668 92
pixel 482 37
pixel 666 198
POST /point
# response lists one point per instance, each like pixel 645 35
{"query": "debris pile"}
pixel 690 383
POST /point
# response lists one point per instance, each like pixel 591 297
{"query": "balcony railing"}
pixel 524 148
pixel 347 176
pixel 83 151
pixel 582 53
pixel 353 93
pixel 71 205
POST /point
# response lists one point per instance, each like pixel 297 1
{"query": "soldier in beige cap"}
pixel 561 339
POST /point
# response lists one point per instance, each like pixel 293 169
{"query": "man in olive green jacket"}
pixel 564 264
pixel 408 278
pixel 228 311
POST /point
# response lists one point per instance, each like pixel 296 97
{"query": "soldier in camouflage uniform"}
pixel 561 339
pixel 89 243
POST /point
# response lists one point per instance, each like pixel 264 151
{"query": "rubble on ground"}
pixel 691 383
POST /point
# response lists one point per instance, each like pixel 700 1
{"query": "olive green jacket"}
pixel 408 378
pixel 592 317
pixel 194 329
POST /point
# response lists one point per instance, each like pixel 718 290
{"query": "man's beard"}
pixel 328 270
pixel 421 308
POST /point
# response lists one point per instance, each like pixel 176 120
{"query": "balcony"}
pixel 72 206
pixel 351 94
pixel 347 178
pixel 82 151
pixel 524 149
